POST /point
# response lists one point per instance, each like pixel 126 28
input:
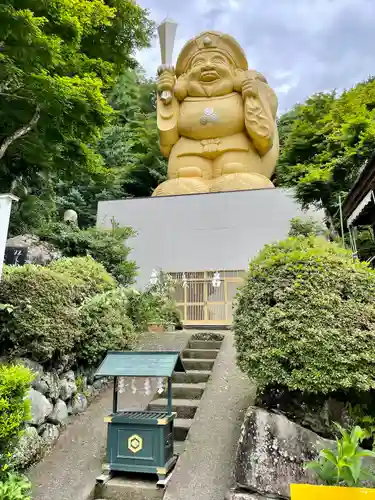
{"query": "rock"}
pixel 49 434
pixel 40 407
pixel 38 372
pixel 38 252
pixel 59 414
pixel 242 495
pixel 53 382
pixel 272 452
pixel 67 389
pixel 40 386
pixel 69 408
pixel 64 363
pixel 29 449
pixel 98 384
pixel 79 404
pixel 90 391
pixel 69 376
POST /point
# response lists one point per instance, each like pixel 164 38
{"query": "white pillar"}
pixel 5 207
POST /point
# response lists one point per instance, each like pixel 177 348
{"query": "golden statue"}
pixel 216 119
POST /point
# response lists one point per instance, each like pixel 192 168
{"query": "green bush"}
pixel 41 320
pixel 15 487
pixel 305 318
pixel 94 276
pixel 154 305
pixel 15 383
pixel 105 246
pixel 106 326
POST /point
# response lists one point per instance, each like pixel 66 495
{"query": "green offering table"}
pixel 140 441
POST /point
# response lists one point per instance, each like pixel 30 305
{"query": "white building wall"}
pixel 201 232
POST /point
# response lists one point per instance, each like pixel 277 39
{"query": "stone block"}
pixel 40 407
pixel 272 453
pixel 59 414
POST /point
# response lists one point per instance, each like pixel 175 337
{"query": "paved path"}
pixel 69 472
pixel 204 471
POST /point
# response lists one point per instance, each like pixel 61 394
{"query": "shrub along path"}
pixel 70 470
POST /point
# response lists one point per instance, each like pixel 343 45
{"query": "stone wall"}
pixel 54 396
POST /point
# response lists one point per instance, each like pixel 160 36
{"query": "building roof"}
pixel 357 207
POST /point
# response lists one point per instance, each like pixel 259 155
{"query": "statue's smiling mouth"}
pixel 209 76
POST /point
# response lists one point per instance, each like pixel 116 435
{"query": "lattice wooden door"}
pixel 201 303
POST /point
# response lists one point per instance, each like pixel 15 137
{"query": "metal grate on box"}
pixel 143 414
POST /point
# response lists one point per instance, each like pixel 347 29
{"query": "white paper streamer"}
pixel 160 385
pixel 133 386
pixel 147 387
pixel 121 385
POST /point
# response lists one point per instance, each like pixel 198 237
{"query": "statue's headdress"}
pixel 211 40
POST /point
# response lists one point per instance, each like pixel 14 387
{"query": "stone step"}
pixel 179 447
pixel 198 364
pixel 186 391
pixel 200 353
pixel 130 488
pixel 185 408
pixel 134 486
pixel 191 377
pixel 205 344
pixel 181 428
pixel 208 336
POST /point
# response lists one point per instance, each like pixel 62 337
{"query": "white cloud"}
pixel 301 46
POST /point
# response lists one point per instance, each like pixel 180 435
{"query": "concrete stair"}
pixel 200 354
pixel 187 390
pixel 191 377
pixel 185 408
pixel 198 364
pixel 181 428
pixel 205 344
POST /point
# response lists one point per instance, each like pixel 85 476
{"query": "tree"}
pixel 131 144
pixel 325 142
pixel 58 58
pixel 129 147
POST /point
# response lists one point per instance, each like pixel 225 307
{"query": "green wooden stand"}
pixel 140 441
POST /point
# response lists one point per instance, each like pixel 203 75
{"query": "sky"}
pixel 301 46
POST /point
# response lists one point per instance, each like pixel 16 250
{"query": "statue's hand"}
pixel 165 83
pixel 250 87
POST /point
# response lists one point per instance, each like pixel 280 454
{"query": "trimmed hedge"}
pixel 106 326
pixel 94 276
pixel 15 383
pixel 42 320
pixel 305 318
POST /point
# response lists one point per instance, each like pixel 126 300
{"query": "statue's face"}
pixel 210 74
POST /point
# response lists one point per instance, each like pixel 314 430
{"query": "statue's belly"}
pixel 212 117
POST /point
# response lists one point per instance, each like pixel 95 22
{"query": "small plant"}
pixel 15 487
pixel 366 422
pixel 15 382
pixel 82 386
pixel 343 467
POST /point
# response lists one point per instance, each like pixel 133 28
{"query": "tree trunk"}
pixel 19 133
